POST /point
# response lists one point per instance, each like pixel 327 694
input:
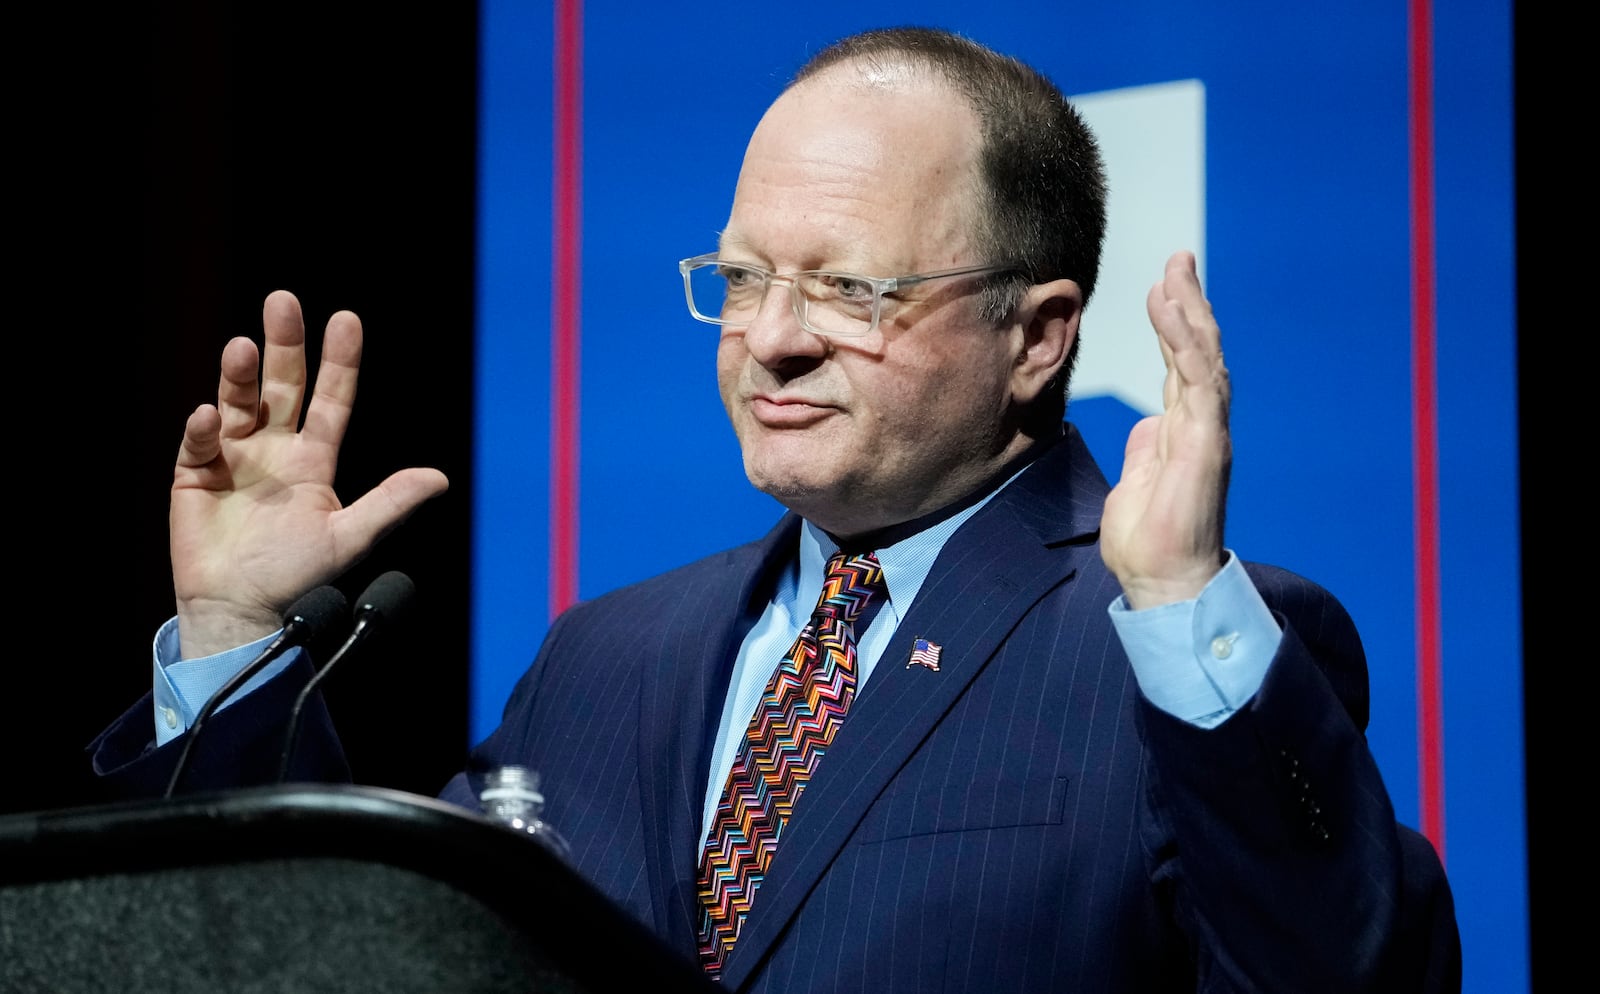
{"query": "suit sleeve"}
pixel 508 743
pixel 1272 837
pixel 241 745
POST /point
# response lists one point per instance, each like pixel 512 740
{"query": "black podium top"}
pixel 307 888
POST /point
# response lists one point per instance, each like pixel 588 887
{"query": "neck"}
pixel 882 538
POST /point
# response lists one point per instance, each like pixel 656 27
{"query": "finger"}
pixel 1138 453
pixel 334 396
pixel 1182 281
pixel 1156 307
pixel 238 394
pixel 381 509
pixel 202 438
pixel 283 369
pixel 1187 328
pixel 1199 379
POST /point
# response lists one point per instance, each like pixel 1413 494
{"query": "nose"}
pixel 775 336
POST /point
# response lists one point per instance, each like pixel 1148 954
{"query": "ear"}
pixel 1047 319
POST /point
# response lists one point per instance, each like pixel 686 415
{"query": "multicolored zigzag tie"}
pixel 804 704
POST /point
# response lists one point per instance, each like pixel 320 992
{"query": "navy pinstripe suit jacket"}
pixel 1019 820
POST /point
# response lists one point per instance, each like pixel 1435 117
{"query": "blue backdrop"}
pixel 1307 246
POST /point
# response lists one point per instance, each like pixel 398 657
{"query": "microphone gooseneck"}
pixel 384 598
pixel 306 620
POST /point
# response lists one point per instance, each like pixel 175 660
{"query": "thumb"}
pixel 384 507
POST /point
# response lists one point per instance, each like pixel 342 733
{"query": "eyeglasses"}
pixel 840 305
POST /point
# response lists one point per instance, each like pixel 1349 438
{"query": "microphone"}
pixel 305 621
pixel 384 598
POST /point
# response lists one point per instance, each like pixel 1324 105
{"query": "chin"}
pixel 800 491
pixel 808 472
pixel 788 489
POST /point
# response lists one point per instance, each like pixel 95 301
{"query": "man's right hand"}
pixel 254 520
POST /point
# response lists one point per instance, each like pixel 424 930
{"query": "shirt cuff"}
pixel 181 687
pixel 1203 659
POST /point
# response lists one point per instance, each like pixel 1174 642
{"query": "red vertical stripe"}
pixel 1424 430
pixel 566 249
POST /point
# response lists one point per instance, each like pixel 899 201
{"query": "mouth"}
pixel 788 412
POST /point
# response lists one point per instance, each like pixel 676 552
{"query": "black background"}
pixel 183 161
pixel 171 164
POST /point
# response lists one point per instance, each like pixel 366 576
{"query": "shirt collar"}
pixel 905 563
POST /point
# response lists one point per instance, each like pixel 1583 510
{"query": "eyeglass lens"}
pixel 829 303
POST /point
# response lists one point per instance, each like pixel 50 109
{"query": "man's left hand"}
pixel 1162 529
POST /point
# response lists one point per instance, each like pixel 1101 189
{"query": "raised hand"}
pixel 254 520
pixel 1161 533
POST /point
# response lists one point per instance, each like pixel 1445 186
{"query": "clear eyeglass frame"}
pixel 798 299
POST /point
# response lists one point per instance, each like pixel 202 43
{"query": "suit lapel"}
pixel 681 697
pixel 994 569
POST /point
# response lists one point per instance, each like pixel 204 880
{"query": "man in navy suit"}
pixel 1089 747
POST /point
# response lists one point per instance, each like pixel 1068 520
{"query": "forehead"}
pixel 852 168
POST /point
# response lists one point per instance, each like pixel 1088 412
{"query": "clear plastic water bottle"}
pixel 510 796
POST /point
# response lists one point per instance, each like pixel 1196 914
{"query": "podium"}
pixel 308 888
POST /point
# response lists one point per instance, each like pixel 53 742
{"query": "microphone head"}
pixel 316 612
pixel 386 596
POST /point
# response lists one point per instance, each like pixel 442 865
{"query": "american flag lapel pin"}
pixel 924 652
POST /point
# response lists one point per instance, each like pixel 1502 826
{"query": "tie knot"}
pixel 852 581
